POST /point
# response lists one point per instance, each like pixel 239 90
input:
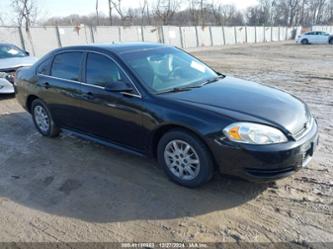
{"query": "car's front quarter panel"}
pixel 161 112
pixel 255 162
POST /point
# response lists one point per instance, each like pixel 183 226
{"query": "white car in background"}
pixel 11 58
pixel 315 37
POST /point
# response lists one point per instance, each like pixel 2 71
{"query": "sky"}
pixel 52 8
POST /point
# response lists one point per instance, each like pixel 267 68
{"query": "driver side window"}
pixel 101 70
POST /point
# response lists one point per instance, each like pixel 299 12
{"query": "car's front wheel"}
pixel 185 158
pixel 305 41
pixel 43 120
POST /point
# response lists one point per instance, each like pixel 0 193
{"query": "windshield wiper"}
pixel 212 80
pixel 180 89
pixel 187 88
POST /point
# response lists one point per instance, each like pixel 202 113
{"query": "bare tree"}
pixel 317 7
pixel 165 10
pixel 302 12
pixel 2 21
pixel 292 9
pixel 261 14
pixel 216 10
pixel 148 13
pixel 25 12
pixel 230 15
pixel 204 12
pixel 330 17
pixel 195 13
pixel 126 15
pixel 144 12
pixel 97 14
pixel 117 5
pixel 110 11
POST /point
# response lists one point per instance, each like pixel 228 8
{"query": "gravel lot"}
pixel 70 190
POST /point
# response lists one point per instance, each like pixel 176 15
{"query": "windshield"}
pixel 10 51
pixel 163 69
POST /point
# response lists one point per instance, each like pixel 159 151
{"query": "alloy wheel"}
pixel 42 119
pixel 182 160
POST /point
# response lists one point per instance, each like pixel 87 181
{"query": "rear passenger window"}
pixel 101 70
pixel 67 65
pixel 44 67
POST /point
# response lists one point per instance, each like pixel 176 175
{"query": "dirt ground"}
pixel 70 190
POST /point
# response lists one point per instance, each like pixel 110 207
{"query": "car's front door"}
pixel 60 86
pixel 324 37
pixel 312 37
pixel 112 115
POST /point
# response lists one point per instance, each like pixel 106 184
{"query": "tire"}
pixel 331 41
pixel 305 41
pixel 43 120
pixel 201 172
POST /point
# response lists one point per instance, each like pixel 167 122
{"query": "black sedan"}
pixel 159 101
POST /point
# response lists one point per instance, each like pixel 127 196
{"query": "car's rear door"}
pixel 61 87
pixel 111 115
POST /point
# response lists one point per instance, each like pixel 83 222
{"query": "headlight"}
pixel 3 75
pixel 251 133
pixel 8 76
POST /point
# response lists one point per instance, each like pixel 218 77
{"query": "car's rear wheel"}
pixel 331 41
pixel 305 41
pixel 43 120
pixel 185 159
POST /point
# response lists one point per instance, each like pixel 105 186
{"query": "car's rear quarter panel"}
pixel 25 86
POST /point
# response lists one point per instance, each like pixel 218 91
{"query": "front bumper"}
pixel 6 87
pixel 265 162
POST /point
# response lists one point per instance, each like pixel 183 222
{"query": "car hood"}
pixel 268 104
pixel 16 62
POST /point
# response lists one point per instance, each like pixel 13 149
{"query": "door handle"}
pixel 46 85
pixel 88 95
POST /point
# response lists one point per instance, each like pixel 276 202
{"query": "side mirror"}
pixel 118 86
pixel 27 53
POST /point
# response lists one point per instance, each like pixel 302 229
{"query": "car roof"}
pixel 119 48
pixel 315 31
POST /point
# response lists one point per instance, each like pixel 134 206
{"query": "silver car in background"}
pixel 11 58
pixel 315 37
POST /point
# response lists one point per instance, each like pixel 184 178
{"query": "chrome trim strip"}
pixel 306 130
pixel 131 94
pixel 57 78
pixel 139 95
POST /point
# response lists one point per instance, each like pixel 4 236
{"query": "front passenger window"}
pixel 101 70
